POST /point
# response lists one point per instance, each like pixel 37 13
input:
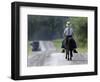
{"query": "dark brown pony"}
pixel 69 48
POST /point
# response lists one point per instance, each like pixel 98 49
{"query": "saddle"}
pixel 68 41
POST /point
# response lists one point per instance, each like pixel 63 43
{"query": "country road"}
pixel 59 59
pixel 48 56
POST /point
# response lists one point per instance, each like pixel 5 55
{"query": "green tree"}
pixel 80 26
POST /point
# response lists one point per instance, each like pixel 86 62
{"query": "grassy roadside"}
pixel 29 48
pixel 58 43
pixel 82 49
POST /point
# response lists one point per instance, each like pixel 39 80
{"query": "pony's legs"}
pixel 67 54
pixel 71 54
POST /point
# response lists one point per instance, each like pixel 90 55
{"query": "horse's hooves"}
pixel 65 57
pixel 70 58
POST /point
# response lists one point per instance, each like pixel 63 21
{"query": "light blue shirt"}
pixel 68 31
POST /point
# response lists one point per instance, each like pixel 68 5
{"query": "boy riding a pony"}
pixel 68 34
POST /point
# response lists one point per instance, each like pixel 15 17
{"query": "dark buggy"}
pixel 35 46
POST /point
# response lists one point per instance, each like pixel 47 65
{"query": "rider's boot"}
pixel 75 51
pixel 63 51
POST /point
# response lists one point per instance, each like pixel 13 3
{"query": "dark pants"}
pixel 65 42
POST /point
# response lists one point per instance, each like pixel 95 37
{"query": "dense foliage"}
pixel 80 25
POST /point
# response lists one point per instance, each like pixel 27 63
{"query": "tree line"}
pixel 45 27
